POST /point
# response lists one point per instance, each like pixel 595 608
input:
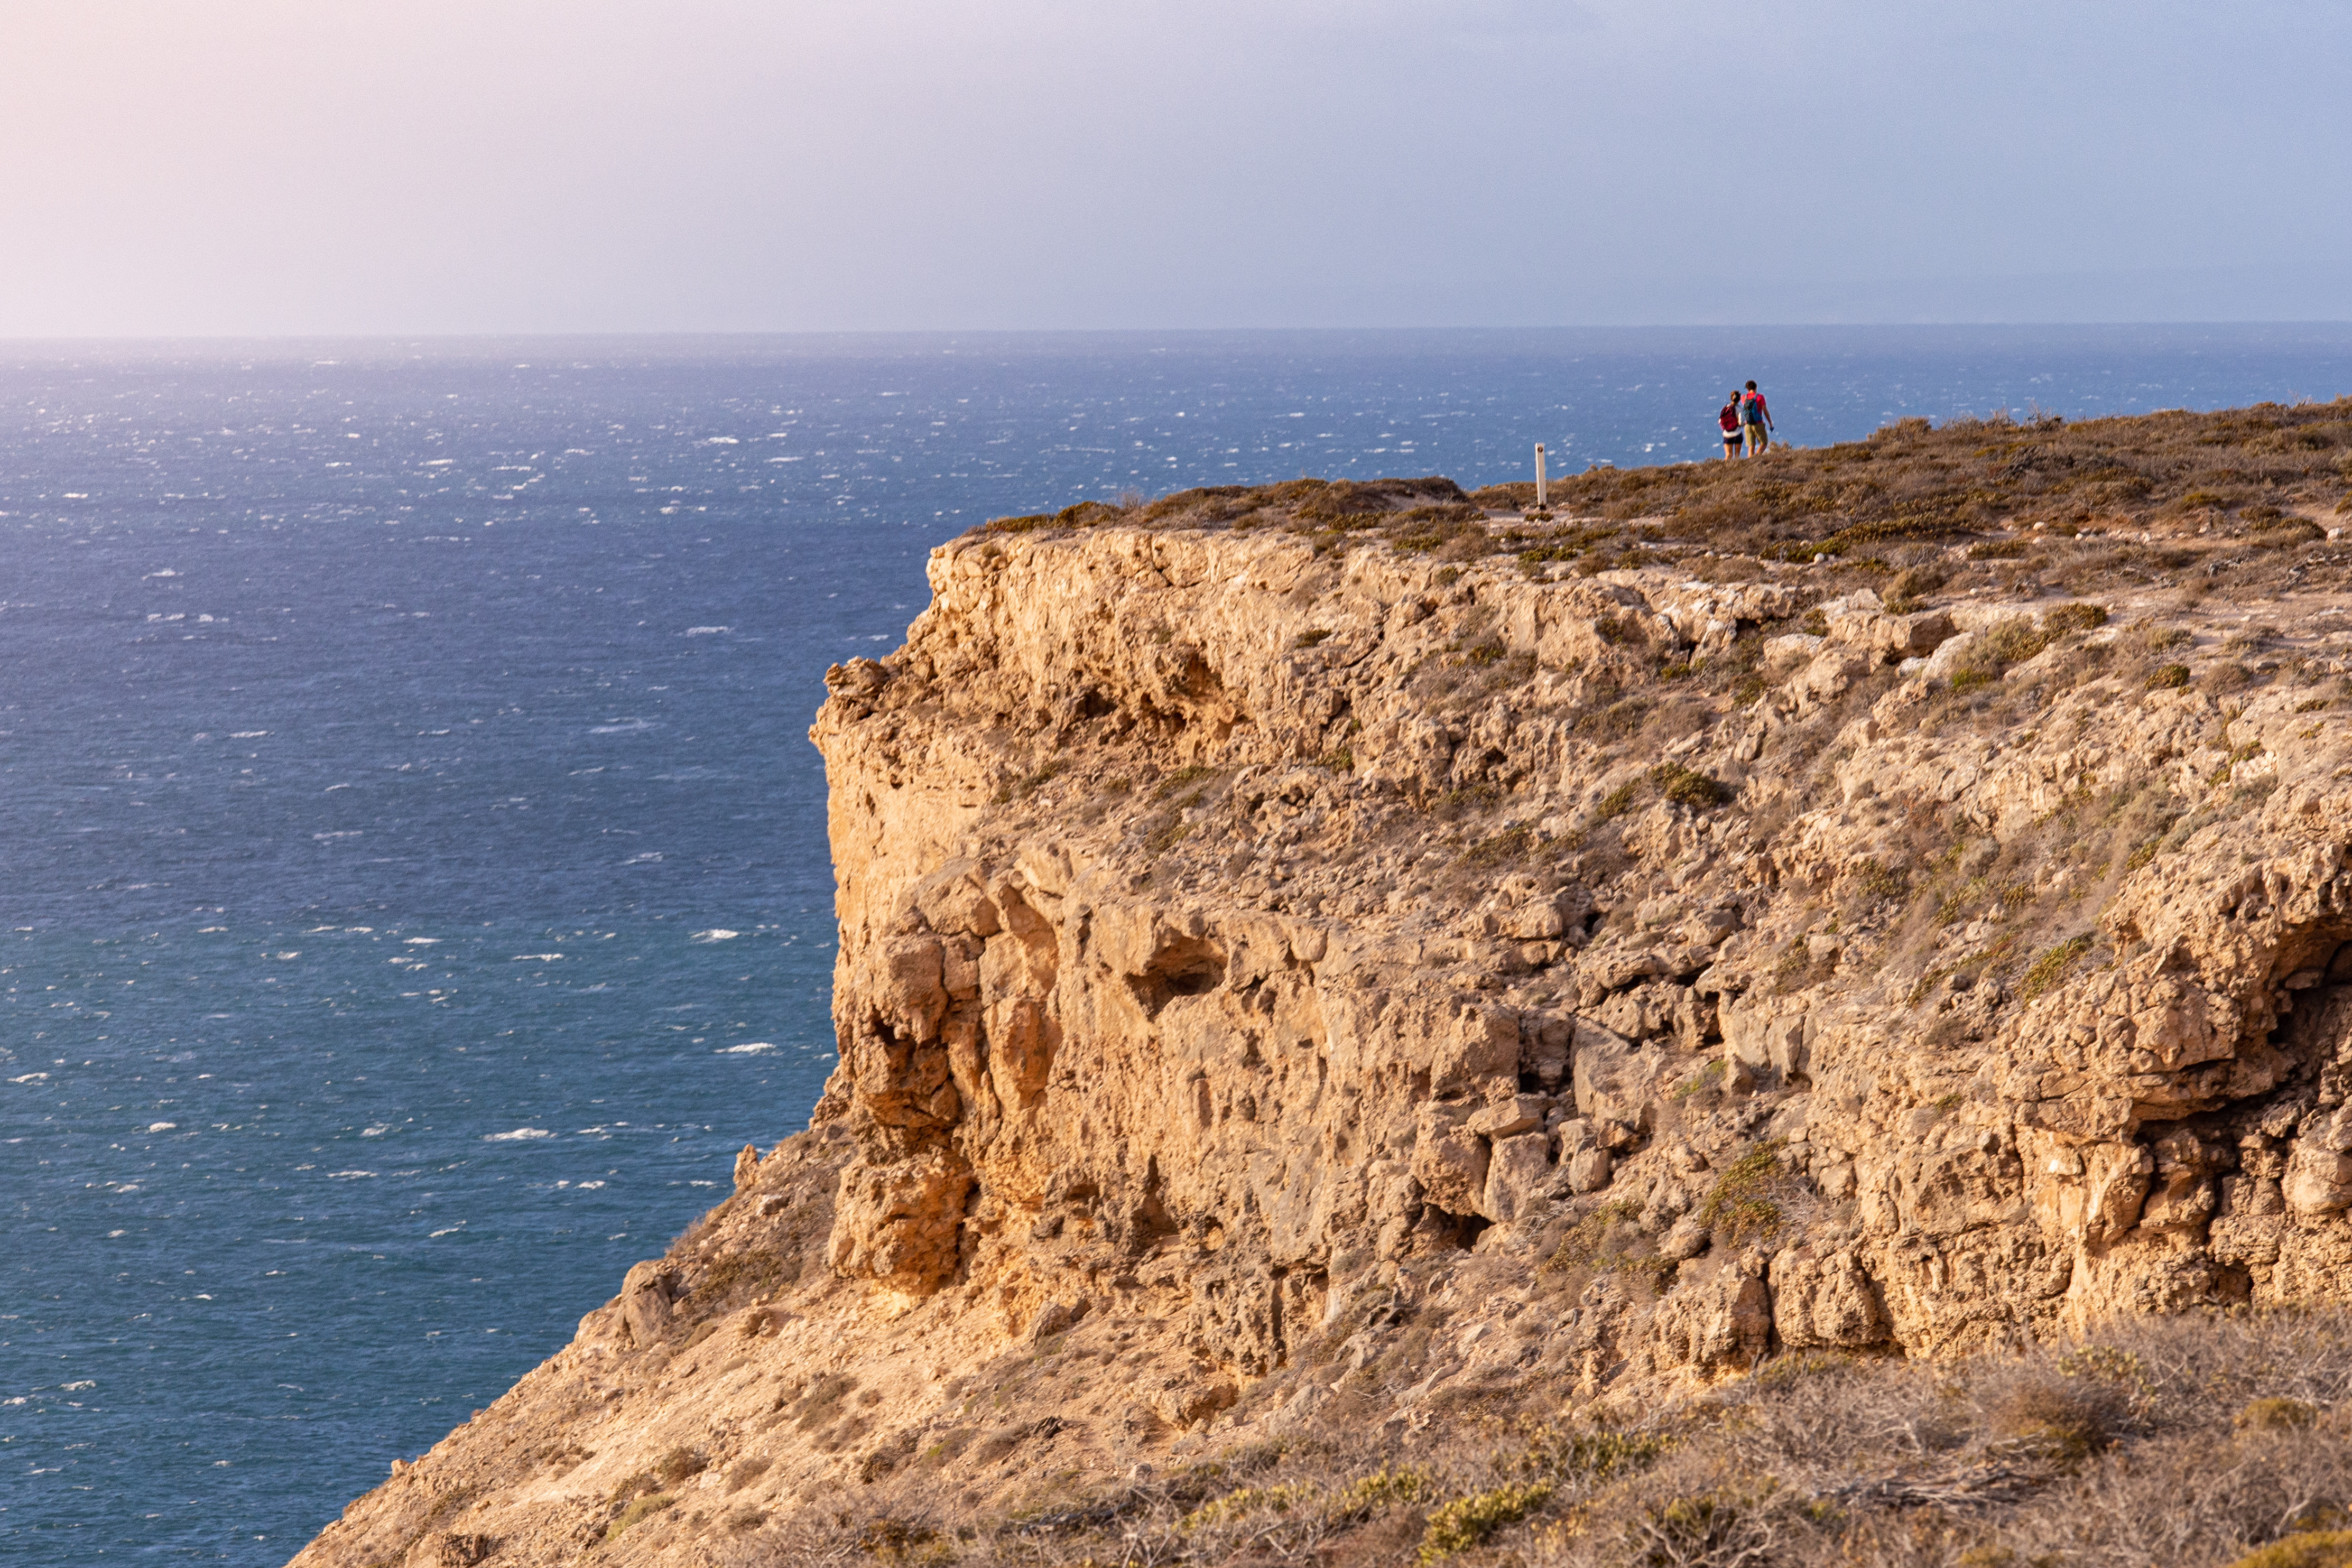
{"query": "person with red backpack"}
pixel 1728 416
pixel 1756 418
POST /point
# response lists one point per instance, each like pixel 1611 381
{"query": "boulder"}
pixel 1825 1302
pixel 646 1301
pixel 1517 1171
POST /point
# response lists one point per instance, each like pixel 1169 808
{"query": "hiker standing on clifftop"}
pixel 1728 416
pixel 1756 418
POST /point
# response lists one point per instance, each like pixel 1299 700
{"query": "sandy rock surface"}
pixel 1243 940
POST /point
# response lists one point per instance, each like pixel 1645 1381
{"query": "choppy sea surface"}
pixel 412 882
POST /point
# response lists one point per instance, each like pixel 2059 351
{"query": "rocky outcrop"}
pixel 1287 984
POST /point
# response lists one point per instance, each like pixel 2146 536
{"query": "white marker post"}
pixel 1539 477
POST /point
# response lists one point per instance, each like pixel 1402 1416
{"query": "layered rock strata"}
pixel 1286 985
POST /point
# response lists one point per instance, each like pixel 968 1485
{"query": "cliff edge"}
pixel 1336 963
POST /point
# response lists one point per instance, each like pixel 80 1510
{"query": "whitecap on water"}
pixel 332 1175
pixel 420 941
pixel 537 957
pixel 706 630
pixel 716 934
pixel 619 726
pixel 743 1050
pixel 376 1131
pixel 518 1133
pixel 162 1126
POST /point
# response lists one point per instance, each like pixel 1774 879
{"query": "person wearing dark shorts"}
pixel 1728 417
pixel 1756 418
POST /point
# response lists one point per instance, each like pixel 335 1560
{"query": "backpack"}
pixel 1751 409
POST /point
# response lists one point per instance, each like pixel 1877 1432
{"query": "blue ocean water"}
pixel 415 882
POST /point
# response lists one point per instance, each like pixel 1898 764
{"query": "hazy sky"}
pixel 252 166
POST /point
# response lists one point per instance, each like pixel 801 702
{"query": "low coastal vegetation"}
pixel 2215 1443
pixel 2042 500
pixel 1785 826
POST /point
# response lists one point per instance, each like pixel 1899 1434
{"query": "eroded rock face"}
pixel 1254 960
pixel 1220 1050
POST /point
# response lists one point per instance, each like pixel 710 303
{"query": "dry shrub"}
pixel 2052 1415
pixel 2185 1442
pixel 2009 492
pixel 2313 1548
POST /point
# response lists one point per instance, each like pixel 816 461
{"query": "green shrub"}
pixel 1309 639
pixel 1706 1078
pixel 1178 779
pixel 679 1464
pixel 1589 1243
pixel 2275 1416
pixel 893 1538
pixel 2011 643
pixel 1614 804
pixel 2051 968
pixel 2170 677
pixel 1684 788
pixel 1879 880
pixel 2319 1549
pixel 1383 1488
pixel 637 1513
pixel 1465 1522
pixel 2064 618
pixel 1740 1205
pixel 1499 849
pixel 1717 1527
pixel 1242 1503
pixel 1555 1452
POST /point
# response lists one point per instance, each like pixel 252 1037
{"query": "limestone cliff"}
pixel 1317 975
